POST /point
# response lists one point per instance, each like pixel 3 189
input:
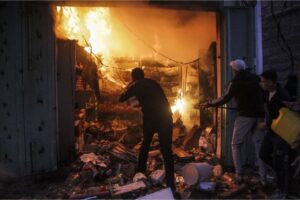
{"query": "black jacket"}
pixel 151 97
pixel 246 91
pixel 273 106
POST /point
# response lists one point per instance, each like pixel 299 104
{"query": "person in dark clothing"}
pixel 274 150
pixel 245 89
pixel 157 118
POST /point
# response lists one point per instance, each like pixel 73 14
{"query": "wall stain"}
pixel 5 41
pixel 4 104
pixel 42 123
pixel 39 100
pixel 41 150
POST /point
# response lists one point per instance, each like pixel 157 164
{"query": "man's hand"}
pixel 203 105
pixel 261 125
pixel 133 102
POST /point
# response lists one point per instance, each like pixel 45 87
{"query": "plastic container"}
pixel 287 126
pixel 196 172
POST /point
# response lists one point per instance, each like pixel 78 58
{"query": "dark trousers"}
pixel 275 152
pixel 164 129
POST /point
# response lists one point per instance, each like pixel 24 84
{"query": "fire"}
pixel 98 26
pixel 179 104
pixel 90 26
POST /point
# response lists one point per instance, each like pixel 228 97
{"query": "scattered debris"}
pixel 98 192
pixel 139 176
pixel 162 194
pixel 131 187
pixel 194 173
pixel 157 176
pixel 107 160
pixel 207 186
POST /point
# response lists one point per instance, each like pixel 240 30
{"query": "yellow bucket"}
pixel 287 126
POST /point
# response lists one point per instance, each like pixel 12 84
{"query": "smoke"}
pixel 178 34
pixel 136 32
pixel 184 19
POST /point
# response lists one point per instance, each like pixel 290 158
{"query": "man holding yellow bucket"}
pixel 274 150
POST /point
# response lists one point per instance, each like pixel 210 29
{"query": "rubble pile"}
pixel 108 157
pixel 107 154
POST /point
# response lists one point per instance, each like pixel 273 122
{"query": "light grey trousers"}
pixel 242 127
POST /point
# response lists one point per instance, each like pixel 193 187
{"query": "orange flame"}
pixel 90 27
pixel 179 104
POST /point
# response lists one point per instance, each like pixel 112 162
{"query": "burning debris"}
pixel 107 161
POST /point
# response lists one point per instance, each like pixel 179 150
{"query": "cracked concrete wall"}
pixel 275 49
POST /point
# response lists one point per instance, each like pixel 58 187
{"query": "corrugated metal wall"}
pixel 12 150
pixel 28 89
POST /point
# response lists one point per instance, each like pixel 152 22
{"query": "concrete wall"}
pixel 275 51
pixel 28 132
pixel 237 41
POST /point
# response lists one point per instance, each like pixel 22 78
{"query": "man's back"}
pixel 248 94
pixel 151 97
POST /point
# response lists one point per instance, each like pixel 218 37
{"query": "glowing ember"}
pixel 179 104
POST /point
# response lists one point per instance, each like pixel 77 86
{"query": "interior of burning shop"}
pixel 177 48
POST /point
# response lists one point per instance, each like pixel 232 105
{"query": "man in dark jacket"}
pixel 245 89
pixel 274 150
pixel 157 118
